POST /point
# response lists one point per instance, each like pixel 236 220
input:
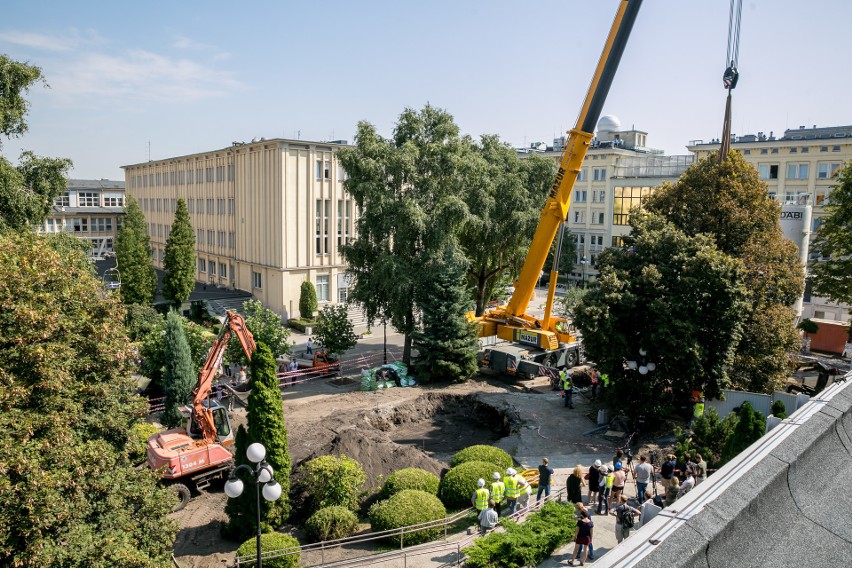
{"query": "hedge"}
pixel 526 544
pixel 488 454
pixel 408 507
pixel 269 542
pixel 333 480
pixel 330 523
pixel 459 483
pixel 410 478
pixel 300 324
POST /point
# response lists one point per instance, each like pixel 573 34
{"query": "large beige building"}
pixel 267 215
pixel 91 210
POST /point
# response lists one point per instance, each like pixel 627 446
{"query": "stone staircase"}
pixel 357 317
pixel 217 308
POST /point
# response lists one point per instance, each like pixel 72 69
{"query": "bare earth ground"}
pixel 390 429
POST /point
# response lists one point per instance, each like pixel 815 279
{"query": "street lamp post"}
pixel 263 476
pixel 583 263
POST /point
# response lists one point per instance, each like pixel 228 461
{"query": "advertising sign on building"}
pixel 796 225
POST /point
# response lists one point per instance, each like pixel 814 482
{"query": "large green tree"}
pixel 154 352
pixel 832 275
pixel 179 259
pixel 504 195
pixel 307 301
pixel 266 426
pixel 68 494
pixel 409 189
pixel 728 202
pixel 265 326
pixel 334 331
pixel 133 250
pixel 672 296
pixel 447 344
pixel 178 372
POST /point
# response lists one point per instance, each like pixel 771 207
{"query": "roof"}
pixel 100 184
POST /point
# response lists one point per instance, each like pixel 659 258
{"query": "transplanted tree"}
pixel 447 344
pixel 265 326
pixel 675 297
pixel 334 331
pixel 832 275
pixel 154 352
pixel 133 251
pixel 410 191
pixel 179 372
pixel 266 426
pixel 307 301
pixel 751 425
pixel 68 494
pixel 179 259
pixel 27 191
pixel 729 203
pixel 504 195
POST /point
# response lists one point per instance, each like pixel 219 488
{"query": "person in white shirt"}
pixel 643 472
pixel 488 517
pixel 687 484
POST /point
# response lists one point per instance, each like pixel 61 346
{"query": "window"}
pixel 223 270
pixel 794 150
pixel 230 172
pixel 231 206
pixel 339 223
pixel 821 198
pixel 190 177
pixel 210 238
pixel 598 195
pixel 597 240
pixel 199 175
pixel 208 174
pixel 583 175
pixel 805 149
pixel 827 170
pixel 232 241
pixel 173 205
pixel 816 225
pixel 774 151
pixel 768 171
pixel 820 315
pixel 579 216
pixel 85 199
pixel 625 199
pixel 220 239
pixel 599 174
pixel 835 148
pixel 199 236
pixel 797 171
pixel 319 169
pixel 340 173
pixel 747 152
pixel 113 201
pixel 220 206
pixel 323 210
pixel 823 148
pixel 256 280
pixel 48 225
pixel 597 218
pixel 202 265
pixel 190 205
pixel 81 225
pixel 63 200
pixel 322 288
pixel 212 266
pixel 580 196
pixel 327 169
pixel 102 225
pixel 764 151
pixel 220 173
pixel 210 204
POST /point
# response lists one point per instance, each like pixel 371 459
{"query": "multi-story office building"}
pixel 91 210
pixel 267 215
pixel 798 168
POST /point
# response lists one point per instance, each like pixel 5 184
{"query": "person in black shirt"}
pixel 667 470
pixel 544 473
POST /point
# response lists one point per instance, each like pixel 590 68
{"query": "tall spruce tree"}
pixel 179 260
pixel 447 344
pixel 133 250
pixel 179 371
pixel 307 301
pixel 266 426
pixel 751 425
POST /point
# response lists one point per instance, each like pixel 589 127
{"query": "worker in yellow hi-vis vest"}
pixel 697 411
pixel 498 491
pixel 480 496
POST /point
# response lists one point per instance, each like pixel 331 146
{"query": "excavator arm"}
pixel 234 324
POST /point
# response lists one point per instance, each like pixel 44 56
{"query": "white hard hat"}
pixel 481 482
pixel 597 463
pixel 511 471
pixel 496 475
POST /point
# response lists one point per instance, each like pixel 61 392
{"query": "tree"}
pixel 409 190
pixel 751 425
pixel 266 426
pixel 566 258
pixel 447 344
pixel 504 195
pixel 832 274
pixel 141 321
pixel 265 326
pixel 778 409
pixel 68 494
pixel 179 259
pixel 179 372
pixel 153 351
pixel 307 301
pixel 676 298
pixel 729 203
pixel 27 191
pixel 133 251
pixel 568 304
pixel 334 331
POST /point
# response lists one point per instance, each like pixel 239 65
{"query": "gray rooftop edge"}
pixel 781 502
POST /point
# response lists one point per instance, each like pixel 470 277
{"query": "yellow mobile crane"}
pixel 551 342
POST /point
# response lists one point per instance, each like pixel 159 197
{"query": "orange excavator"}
pixel 190 458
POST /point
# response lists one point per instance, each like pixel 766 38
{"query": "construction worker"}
pixel 567 388
pixel 697 411
pixel 498 492
pixel 481 496
pixel 513 490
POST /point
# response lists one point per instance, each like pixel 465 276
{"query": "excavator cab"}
pixel 224 431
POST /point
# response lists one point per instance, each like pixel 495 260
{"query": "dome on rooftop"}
pixel 609 123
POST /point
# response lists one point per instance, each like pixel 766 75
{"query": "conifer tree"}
pixel 179 260
pixel 750 427
pixel 307 301
pixel 179 371
pixel 266 426
pixel 447 344
pixel 133 250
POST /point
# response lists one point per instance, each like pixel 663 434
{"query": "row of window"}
pixel 597 217
pixel 215 238
pixel 598 195
pixel 323 170
pixel 800 170
pixel 344 222
pixel 794 150
pixel 81 225
pixel 209 267
pixel 200 206
pixel 210 174
pixel 90 199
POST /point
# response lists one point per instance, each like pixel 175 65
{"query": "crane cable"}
pixel 731 75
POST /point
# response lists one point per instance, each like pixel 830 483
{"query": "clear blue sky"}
pixel 190 76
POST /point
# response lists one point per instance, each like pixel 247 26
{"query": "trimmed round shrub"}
pixel 330 523
pixel 137 442
pixel 333 480
pixel 410 478
pixel 459 483
pixel 268 543
pixel 488 454
pixel 408 507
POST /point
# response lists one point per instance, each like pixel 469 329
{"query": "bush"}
pixel 307 300
pixel 488 454
pixel 778 409
pixel 751 425
pixel 408 507
pixel 330 523
pixel 137 442
pixel 269 542
pixel 300 324
pixel 332 480
pixel 708 438
pixel 410 478
pixel 459 483
pixel 527 544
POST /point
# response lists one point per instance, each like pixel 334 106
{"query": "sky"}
pixel 130 81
